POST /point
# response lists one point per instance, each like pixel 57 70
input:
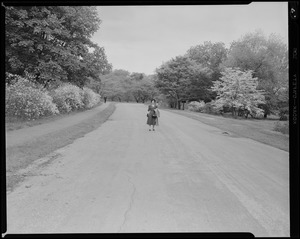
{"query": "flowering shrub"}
pixel 90 98
pixel 68 97
pixel 11 78
pixel 196 106
pixel 26 100
pixel 257 113
pixel 283 113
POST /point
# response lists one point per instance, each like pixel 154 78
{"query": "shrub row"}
pixel 202 107
pixel 29 101
pixel 211 108
pixel 196 106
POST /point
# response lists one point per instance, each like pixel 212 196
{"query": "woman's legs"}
pixel 154 123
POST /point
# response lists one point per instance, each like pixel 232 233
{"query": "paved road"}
pixel 184 177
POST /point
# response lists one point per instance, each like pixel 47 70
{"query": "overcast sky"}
pixel 141 38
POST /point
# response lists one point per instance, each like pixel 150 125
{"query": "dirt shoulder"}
pixel 26 145
pixel 259 130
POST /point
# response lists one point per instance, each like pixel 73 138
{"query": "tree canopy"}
pixel 182 79
pixel 125 86
pixel 191 75
pixel 210 55
pixel 268 59
pixel 53 43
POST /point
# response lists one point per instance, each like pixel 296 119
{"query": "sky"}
pixel 142 38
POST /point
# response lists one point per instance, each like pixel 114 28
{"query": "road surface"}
pixel 184 177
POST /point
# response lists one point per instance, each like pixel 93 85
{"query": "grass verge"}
pixel 15 123
pixel 259 130
pixel 21 156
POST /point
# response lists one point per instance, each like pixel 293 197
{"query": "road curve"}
pixel 184 177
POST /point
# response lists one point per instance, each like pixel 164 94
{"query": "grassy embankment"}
pixel 261 130
pixel 20 156
pixel 16 123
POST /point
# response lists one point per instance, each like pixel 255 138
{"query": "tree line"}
pixel 251 75
pixel 53 44
pixel 254 68
pixel 121 85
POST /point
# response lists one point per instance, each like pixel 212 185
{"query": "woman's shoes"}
pixel 149 129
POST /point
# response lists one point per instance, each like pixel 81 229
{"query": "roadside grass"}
pixel 262 130
pixel 282 127
pixel 20 156
pixel 17 123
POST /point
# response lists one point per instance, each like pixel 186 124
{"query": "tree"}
pixel 96 63
pixel 98 66
pixel 209 55
pixel 268 60
pixel 149 89
pixel 114 85
pixel 237 90
pixel 182 78
pixel 144 90
pixel 135 86
pixel 52 43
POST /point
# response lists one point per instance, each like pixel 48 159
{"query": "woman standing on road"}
pixel 152 115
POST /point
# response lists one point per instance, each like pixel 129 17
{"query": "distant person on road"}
pixel 153 114
pixel 105 99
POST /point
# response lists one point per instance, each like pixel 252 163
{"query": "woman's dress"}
pixel 150 119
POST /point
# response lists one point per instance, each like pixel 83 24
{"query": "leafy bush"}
pixel 209 108
pixel 282 127
pixel 68 97
pixel 26 100
pixel 267 109
pixel 11 78
pixel 90 98
pixel 283 113
pixel 196 106
pixel 256 113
